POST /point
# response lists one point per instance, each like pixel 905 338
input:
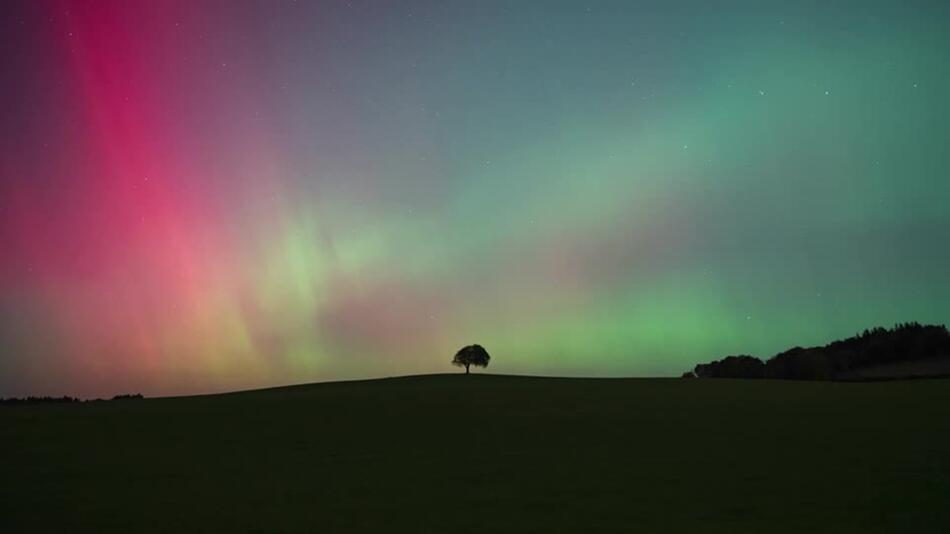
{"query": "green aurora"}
pixel 354 190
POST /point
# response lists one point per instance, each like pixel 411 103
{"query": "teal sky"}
pixel 202 196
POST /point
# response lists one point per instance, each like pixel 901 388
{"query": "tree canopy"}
pixel 471 355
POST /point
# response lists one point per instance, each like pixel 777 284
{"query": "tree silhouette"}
pixel 471 355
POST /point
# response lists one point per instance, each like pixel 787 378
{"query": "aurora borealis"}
pixel 201 196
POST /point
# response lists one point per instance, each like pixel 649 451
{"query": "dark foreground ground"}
pixel 450 454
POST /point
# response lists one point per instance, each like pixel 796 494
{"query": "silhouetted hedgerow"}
pixel 39 400
pixel 906 342
pixel 134 396
pixel 13 401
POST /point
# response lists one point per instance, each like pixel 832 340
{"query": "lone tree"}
pixel 471 355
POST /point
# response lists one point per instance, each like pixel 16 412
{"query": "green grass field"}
pixel 450 454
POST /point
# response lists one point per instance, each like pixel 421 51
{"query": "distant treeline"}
pixel 63 400
pixel 39 400
pixel 127 396
pixel 908 349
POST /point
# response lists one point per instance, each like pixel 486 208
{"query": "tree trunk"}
pixel 466 368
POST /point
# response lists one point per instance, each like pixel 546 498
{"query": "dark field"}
pixel 447 454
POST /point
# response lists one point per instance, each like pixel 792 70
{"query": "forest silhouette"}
pixel 906 351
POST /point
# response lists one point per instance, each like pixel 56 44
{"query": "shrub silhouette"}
pixel 471 355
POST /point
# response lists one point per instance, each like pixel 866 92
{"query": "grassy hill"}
pixel 450 453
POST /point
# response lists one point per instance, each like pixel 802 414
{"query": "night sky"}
pixel 202 196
